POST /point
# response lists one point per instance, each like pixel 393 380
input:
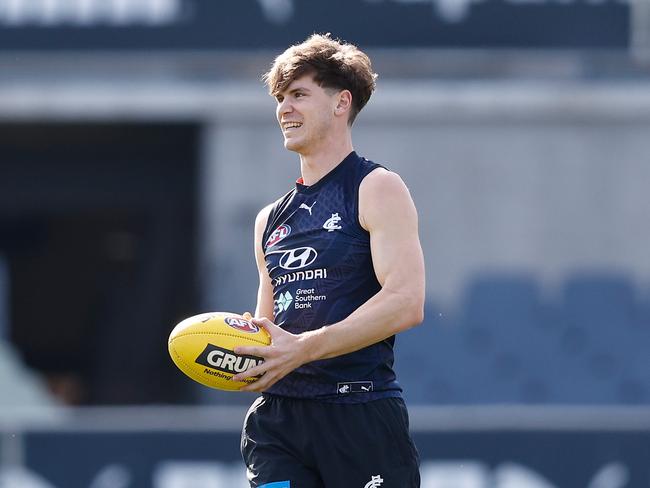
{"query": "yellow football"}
pixel 203 346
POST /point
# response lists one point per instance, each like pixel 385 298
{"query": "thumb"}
pixel 266 323
pixel 247 315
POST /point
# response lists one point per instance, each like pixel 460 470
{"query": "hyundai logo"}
pixel 293 259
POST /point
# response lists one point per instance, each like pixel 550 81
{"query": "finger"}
pixel 247 315
pixel 253 387
pixel 259 351
pixel 252 372
pixel 261 384
pixel 270 327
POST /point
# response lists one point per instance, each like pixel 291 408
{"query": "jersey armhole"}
pixel 265 233
pixel 275 206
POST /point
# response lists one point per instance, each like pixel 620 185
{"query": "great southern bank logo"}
pixel 283 302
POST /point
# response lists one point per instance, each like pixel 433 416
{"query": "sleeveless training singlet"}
pixel 318 258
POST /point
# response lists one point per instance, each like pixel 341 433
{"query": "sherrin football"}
pixel 203 346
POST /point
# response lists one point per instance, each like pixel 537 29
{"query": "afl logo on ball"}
pixel 278 234
pixel 241 324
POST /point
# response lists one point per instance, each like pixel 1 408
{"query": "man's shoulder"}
pixel 263 214
pixel 382 180
pixel 266 211
pixel 366 166
pixel 382 193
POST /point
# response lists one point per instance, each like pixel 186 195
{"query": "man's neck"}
pixel 314 166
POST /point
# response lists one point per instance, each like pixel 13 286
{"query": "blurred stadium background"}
pixel 137 144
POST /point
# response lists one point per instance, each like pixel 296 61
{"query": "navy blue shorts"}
pixel 294 443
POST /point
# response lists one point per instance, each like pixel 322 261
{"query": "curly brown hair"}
pixel 333 63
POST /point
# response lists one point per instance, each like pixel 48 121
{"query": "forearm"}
pixel 385 314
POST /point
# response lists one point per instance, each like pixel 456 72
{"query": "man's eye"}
pixel 298 95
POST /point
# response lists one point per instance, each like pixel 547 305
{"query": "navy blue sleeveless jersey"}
pixel 318 258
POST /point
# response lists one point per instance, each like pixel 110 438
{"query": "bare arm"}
pixel 387 211
pixel 264 306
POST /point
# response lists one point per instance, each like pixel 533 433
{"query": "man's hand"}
pixel 286 353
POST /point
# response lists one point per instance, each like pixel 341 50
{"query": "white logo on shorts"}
pixel 375 482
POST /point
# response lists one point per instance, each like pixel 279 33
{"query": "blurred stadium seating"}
pixel 510 345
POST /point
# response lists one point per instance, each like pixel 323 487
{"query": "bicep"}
pixel 390 216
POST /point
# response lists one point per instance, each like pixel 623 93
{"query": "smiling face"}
pixel 306 114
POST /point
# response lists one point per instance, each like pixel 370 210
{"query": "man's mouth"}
pixel 291 125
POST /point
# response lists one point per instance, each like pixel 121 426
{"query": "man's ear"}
pixel 344 102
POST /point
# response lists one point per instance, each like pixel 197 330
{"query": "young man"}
pixel 341 272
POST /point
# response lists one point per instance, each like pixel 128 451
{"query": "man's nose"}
pixel 284 107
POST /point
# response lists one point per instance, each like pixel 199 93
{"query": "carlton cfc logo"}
pixel 278 234
pixel 241 324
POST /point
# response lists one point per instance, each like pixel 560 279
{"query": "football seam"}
pixel 220 334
